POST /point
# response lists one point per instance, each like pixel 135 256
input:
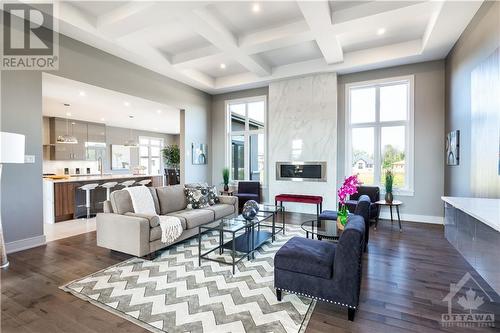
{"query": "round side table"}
pixel 394 203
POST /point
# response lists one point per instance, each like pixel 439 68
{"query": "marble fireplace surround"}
pixel 303 127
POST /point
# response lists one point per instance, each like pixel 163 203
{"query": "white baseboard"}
pixel 413 217
pixel 24 244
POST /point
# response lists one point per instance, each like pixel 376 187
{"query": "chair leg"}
pixel 278 295
pixel 350 314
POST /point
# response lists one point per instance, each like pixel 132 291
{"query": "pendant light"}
pixel 130 142
pixel 66 138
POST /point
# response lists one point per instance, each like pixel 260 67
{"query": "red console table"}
pixel 307 199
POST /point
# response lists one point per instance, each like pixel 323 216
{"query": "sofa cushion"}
pixel 183 220
pixel 171 198
pixel 195 217
pixel 221 210
pixel 306 256
pixel 121 202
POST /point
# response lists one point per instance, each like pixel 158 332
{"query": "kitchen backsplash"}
pixel 57 167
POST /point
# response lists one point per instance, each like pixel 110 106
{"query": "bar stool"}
pixel 144 182
pixel 87 188
pixel 108 186
pixel 127 183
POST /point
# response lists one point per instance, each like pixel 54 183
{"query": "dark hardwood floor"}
pixel 406 276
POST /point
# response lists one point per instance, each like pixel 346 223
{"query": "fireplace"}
pixel 301 171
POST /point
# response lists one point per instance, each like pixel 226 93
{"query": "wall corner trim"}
pixel 412 218
pixel 24 244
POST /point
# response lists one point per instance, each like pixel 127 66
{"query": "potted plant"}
pixel 389 179
pixel 225 178
pixel 171 156
pixel 350 186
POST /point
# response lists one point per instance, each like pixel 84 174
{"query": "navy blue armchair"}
pixel 324 271
pixel 247 191
pixel 373 192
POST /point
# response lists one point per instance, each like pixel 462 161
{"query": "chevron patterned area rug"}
pixel 173 294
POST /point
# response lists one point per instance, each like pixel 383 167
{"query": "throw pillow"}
pixel 196 197
pixel 213 198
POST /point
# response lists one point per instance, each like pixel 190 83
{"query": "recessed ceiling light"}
pixel 158 111
pixel 126 103
pixel 66 104
pixel 222 66
pixel 381 31
pixel 131 117
pixel 68 114
pixel 155 129
pixel 256 7
pixel 102 119
pixel 82 93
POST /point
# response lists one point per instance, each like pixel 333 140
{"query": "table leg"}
pixel 234 250
pixel 222 242
pixel 249 247
pixel 390 208
pixel 283 216
pixel 253 242
pixel 379 208
pixel 274 226
pixel 199 246
pixel 307 234
pixel 317 212
pixel 399 219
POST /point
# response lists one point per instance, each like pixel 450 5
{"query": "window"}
pixel 150 154
pixel 379 131
pixel 246 147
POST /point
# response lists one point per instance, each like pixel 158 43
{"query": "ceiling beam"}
pixel 208 26
pixel 373 58
pixel 317 16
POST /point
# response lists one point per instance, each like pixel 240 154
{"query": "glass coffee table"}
pixel 277 211
pixel 244 237
pixel 326 229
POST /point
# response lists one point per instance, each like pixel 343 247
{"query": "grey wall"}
pixel 22 112
pixel 21 189
pixel 218 128
pixel 428 134
pixel 479 40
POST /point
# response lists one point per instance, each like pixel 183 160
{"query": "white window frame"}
pixel 408 189
pixel 246 134
pixel 149 145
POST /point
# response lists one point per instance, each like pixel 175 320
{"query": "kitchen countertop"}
pixel 89 178
pixel 482 209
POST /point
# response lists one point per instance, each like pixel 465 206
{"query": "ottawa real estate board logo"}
pixel 467 294
pixel 29 38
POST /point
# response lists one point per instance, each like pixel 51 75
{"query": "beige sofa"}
pixel 120 229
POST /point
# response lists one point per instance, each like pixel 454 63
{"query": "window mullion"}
pixel 377 150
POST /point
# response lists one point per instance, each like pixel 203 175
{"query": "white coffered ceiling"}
pixel 261 41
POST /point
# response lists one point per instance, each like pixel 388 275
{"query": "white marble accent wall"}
pixel 303 127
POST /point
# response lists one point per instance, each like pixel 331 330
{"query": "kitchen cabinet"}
pixel 91 140
pixel 64 201
pixel 96 132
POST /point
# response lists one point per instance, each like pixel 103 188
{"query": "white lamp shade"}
pixel 11 148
